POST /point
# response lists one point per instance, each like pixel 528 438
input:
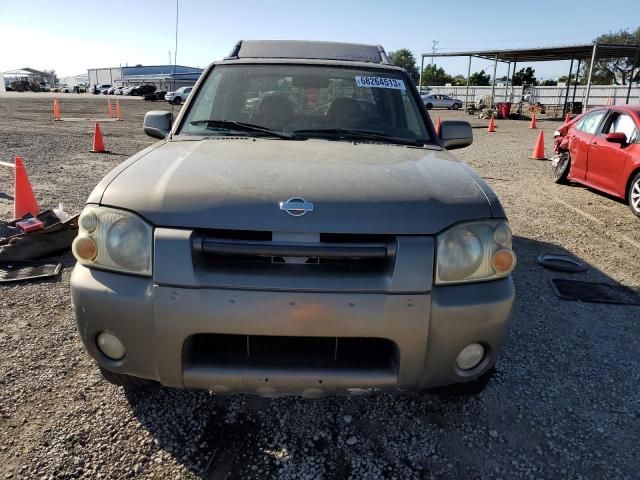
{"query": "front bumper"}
pixel 155 322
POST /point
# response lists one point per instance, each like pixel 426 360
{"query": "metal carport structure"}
pixel 593 51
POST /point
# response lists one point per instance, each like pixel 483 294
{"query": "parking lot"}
pixel 564 403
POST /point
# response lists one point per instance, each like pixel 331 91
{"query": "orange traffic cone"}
pixel 538 151
pixel 534 124
pixel 24 199
pixel 438 124
pixel 98 143
pixel 492 126
pixel 118 113
pixel 567 119
pixel 56 110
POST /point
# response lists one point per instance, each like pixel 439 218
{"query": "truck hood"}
pixel 238 183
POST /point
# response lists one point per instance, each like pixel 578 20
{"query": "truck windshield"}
pixel 302 101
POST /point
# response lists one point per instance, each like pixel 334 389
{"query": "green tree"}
pixel 565 78
pixel 525 76
pixel 480 78
pixel 405 59
pixel 549 83
pixel 614 71
pixel 434 75
pixel 459 80
pixel 53 77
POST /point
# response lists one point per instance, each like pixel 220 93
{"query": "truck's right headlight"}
pixel 474 251
pixel 114 240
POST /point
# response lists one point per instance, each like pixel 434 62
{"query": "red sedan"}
pixel 601 149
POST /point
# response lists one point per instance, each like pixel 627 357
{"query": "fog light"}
pixel 470 356
pixel 110 345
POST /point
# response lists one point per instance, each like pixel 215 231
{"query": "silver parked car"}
pixel 436 100
pixel 292 249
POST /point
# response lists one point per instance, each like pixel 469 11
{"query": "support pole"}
pixel 566 95
pixel 420 81
pixel 593 59
pixel 575 86
pixel 633 72
pixel 466 93
pixel 493 86
pixel 506 87
pixel 513 78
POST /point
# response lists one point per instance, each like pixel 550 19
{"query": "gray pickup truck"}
pixel 299 229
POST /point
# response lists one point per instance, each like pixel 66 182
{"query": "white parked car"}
pixel 179 96
pixel 435 100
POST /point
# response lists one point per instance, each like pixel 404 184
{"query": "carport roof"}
pixel 26 72
pixel 567 52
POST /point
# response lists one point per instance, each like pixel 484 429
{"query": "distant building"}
pixel 164 77
pixel 81 79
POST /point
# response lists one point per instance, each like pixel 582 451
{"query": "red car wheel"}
pixel 634 195
pixel 561 172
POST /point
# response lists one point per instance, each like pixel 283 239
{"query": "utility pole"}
pixel 433 48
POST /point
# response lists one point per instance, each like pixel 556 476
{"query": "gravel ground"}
pixel 564 403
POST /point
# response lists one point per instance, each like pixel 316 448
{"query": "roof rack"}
pixel 354 52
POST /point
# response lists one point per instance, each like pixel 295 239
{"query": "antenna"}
pixel 433 48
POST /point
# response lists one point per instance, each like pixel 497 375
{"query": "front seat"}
pixel 274 112
pixel 345 113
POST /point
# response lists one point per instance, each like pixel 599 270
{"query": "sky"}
pixel 71 38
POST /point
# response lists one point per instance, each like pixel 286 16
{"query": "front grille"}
pixel 220 248
pixel 291 352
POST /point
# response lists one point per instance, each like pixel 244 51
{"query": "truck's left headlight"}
pixel 474 252
pixel 113 240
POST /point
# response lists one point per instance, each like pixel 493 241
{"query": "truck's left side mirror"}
pixel 455 134
pixel 157 123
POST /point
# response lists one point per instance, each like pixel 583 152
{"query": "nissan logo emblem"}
pixel 296 206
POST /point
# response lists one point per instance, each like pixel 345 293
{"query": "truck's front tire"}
pixel 128 381
pixel 467 389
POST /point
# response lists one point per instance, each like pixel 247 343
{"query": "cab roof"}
pixel 297 49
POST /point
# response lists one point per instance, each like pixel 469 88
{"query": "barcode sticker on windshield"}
pixel 379 82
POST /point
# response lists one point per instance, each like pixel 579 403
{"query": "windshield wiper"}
pixel 355 133
pixel 242 127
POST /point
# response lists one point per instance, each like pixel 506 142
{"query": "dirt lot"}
pixel 564 404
